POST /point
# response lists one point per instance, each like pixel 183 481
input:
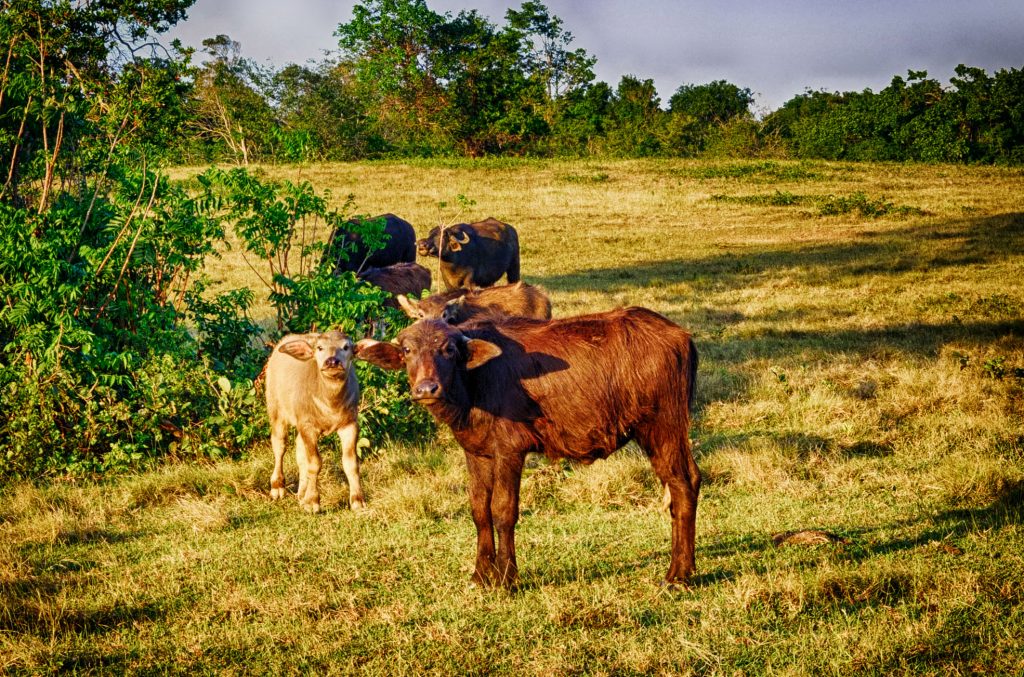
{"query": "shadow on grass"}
pixel 796 445
pixel 33 607
pixel 925 247
pixel 1007 508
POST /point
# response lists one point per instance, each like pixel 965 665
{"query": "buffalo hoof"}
pixel 357 503
pixel 311 506
pixel 494 582
pixel 277 492
pixel 675 585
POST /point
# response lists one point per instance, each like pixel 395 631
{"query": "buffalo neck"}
pixel 333 390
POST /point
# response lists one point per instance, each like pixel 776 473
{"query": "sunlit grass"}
pixel 860 374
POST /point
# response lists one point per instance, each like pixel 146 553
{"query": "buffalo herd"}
pixel 491 363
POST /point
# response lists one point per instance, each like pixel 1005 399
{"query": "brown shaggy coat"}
pixel 576 388
pixel 398 279
pixel 466 305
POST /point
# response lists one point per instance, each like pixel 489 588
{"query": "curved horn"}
pixel 463 240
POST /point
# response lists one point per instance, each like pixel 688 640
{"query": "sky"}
pixel 776 48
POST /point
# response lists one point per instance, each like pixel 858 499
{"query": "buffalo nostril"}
pixel 427 389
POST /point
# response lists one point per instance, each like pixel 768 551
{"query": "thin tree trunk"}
pixel 51 163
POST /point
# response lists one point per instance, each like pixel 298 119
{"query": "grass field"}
pixel 862 373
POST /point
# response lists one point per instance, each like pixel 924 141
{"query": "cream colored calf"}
pixel 311 386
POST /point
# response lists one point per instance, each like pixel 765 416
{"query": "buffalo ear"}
pixel 384 355
pixel 300 349
pixel 480 352
pixel 410 307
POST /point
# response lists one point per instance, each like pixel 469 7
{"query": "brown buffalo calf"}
pixel 466 305
pixel 575 388
pixel 398 279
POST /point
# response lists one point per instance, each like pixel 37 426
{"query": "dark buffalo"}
pixel 398 279
pixel 576 388
pixel 474 254
pixel 428 245
pixel 465 305
pixel 400 246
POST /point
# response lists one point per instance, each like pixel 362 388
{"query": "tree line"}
pixel 408 81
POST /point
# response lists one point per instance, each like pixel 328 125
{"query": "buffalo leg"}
pixel 309 488
pixel 278 436
pixel 508 471
pixel 674 465
pixel 300 461
pixel 512 274
pixel 481 483
pixel 349 435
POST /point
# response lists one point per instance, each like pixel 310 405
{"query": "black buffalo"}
pixel 399 247
pixel 474 254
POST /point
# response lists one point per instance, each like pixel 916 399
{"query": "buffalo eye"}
pixel 448 350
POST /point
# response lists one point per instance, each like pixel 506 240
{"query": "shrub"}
pixel 114 357
pixel 98 368
pixel 283 225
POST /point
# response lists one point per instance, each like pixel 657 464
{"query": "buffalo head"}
pixel 455 239
pixel 331 350
pixel 428 246
pixel 433 355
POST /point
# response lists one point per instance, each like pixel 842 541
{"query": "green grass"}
pixel 861 374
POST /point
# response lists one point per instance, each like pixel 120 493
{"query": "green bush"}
pixel 283 225
pixel 115 358
pixel 98 368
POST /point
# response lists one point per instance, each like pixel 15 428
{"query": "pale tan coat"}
pixel 311 386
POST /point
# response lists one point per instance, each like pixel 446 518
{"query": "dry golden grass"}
pixel 857 377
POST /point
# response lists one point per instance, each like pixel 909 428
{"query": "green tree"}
pixel 635 119
pixel 580 128
pixel 437 82
pixel 494 106
pixel 717 102
pixel 547 57
pixel 1005 134
pixel 230 110
pixel 392 45
pixel 81 83
pixel 701 115
pixel 977 118
pixel 321 114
